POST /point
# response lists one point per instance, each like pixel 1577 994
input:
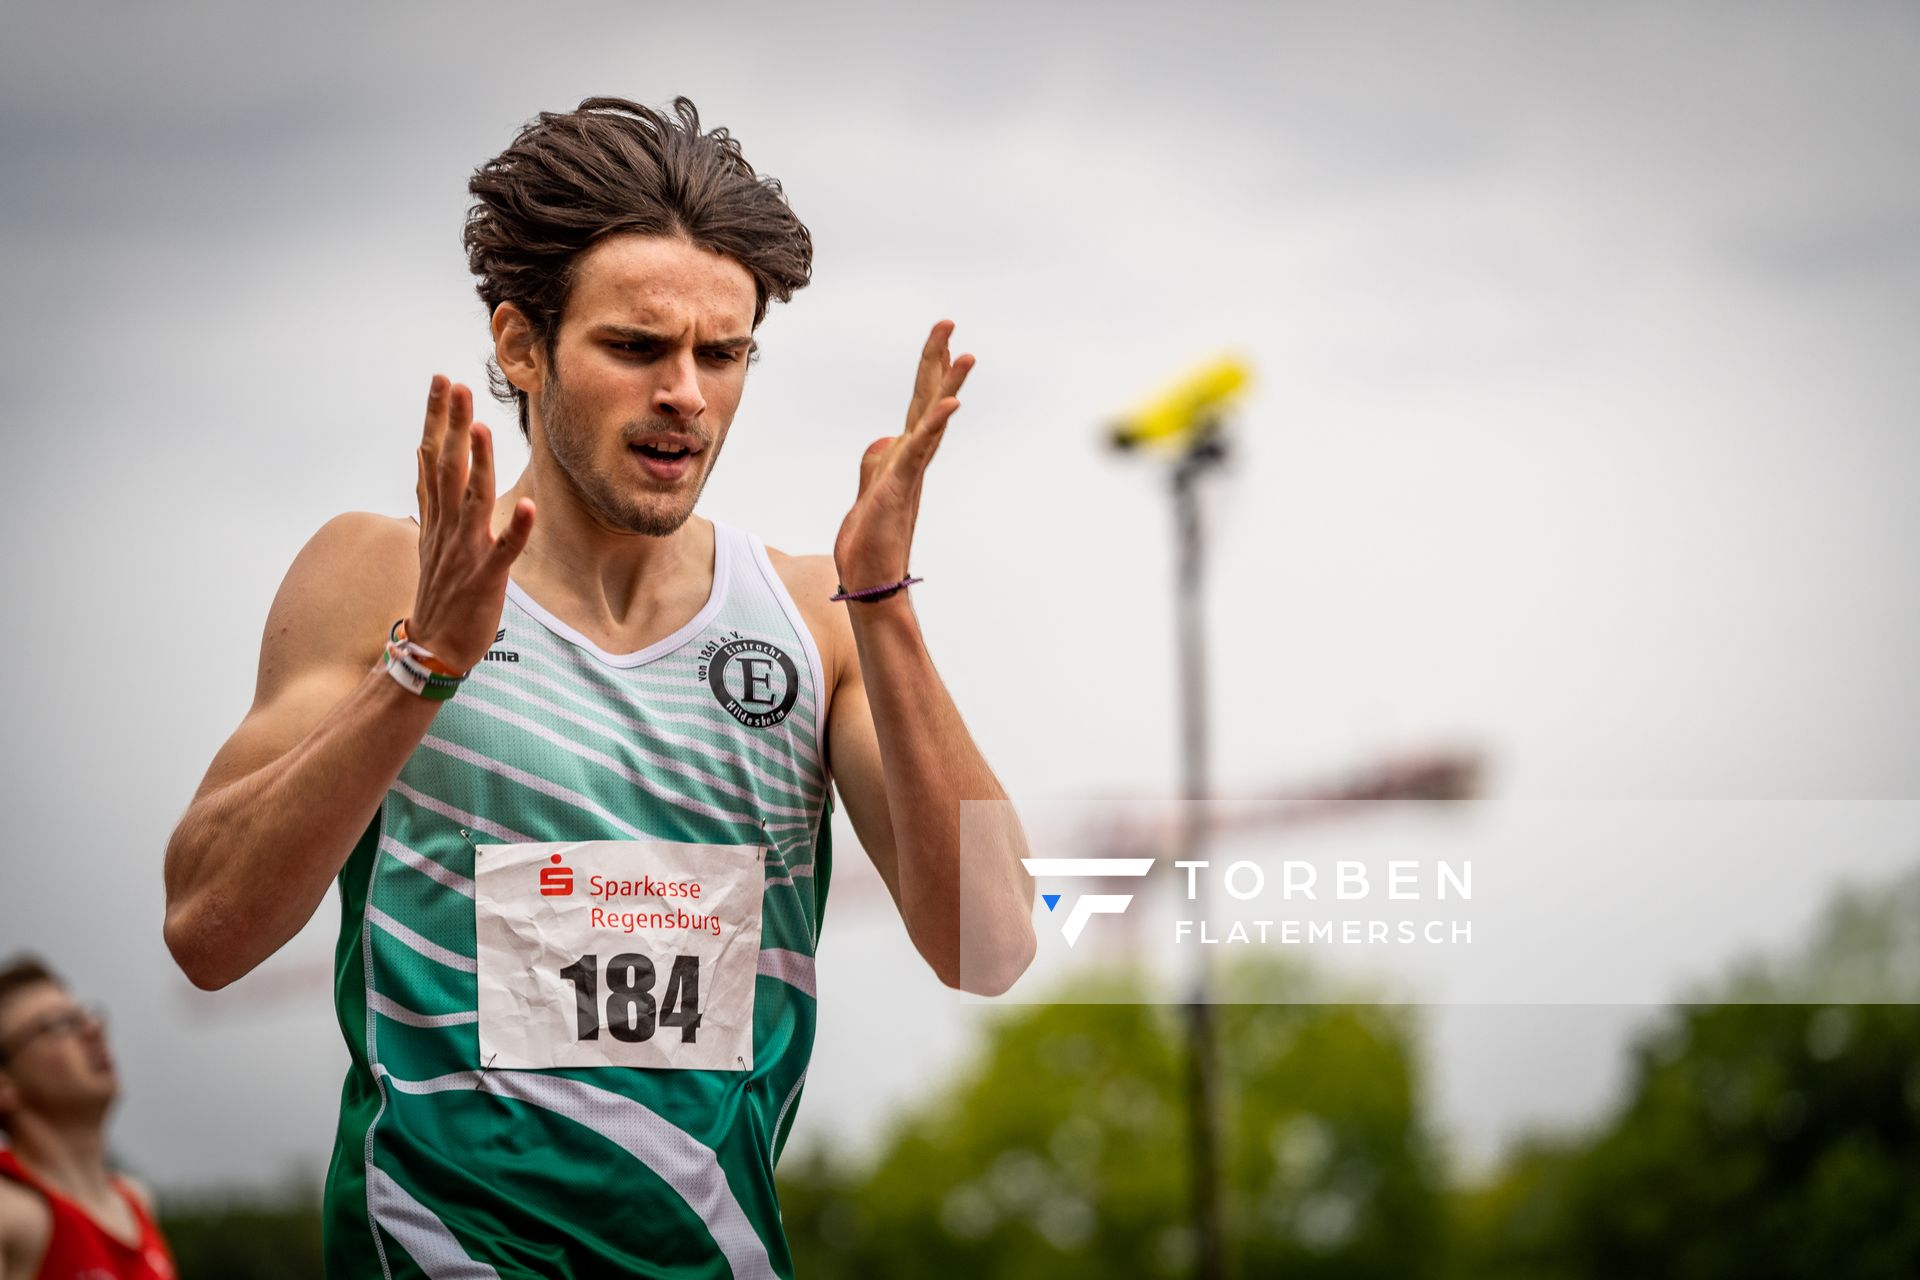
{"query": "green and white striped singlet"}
pixel 444 1169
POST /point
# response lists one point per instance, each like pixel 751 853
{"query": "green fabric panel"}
pixel 551 743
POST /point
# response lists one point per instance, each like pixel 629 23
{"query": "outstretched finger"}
pixel 936 421
pixel 451 475
pixel 933 367
pixel 428 454
pixel 438 390
pixel 956 376
pixel 926 443
pixel 422 491
pixel 513 539
pixel 480 474
pixel 932 417
pixel 918 449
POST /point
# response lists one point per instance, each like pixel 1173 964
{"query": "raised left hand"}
pixel 877 535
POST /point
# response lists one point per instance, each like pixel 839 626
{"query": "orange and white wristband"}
pixel 415 669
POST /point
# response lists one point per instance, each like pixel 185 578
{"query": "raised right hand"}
pixel 463 567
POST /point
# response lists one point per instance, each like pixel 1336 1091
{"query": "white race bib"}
pixel 618 953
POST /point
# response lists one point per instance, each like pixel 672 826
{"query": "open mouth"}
pixel 664 460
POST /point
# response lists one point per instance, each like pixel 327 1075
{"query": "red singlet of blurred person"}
pixel 63 1215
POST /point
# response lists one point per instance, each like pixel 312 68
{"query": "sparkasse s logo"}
pixel 556 881
pixel 1089 905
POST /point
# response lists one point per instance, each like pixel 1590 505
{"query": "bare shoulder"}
pixel 811 572
pixel 359 554
pixel 325 630
pixel 367 531
pixel 810 580
pixel 25 1227
pixel 19 1203
pixel 347 585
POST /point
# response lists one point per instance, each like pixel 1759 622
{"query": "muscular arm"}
pixel 291 791
pixel 905 764
pixel 295 786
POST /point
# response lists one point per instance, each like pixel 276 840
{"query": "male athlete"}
pixel 62 1212
pixel 566 753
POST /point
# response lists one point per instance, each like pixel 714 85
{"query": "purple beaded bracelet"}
pixel 874 593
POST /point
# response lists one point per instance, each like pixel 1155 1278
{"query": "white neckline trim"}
pixel 722 572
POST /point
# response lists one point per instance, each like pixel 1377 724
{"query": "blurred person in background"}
pixel 63 1213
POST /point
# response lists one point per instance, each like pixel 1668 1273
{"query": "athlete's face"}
pixel 55 1055
pixel 650 360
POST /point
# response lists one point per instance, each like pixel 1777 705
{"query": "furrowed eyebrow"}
pixel 627 333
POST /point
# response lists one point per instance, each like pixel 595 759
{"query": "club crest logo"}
pixel 755 681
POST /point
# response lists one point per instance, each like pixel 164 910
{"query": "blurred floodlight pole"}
pixel 1188 422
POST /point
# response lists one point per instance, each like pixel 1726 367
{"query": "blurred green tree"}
pixel 1062 1153
pixel 264 1235
pixel 1758 1139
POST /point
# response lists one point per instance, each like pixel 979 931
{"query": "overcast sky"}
pixel 1583 432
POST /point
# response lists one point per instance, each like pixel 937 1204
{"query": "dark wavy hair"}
pixel 17 974
pixel 571 178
